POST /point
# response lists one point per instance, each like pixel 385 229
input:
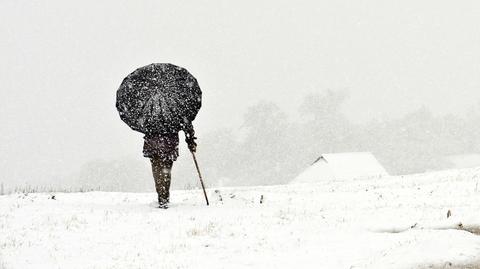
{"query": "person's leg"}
pixel 161 170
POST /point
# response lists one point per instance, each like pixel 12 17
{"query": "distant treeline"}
pixel 271 148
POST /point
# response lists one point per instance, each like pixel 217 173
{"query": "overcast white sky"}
pixel 62 61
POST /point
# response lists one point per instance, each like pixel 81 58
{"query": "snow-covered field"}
pixel 349 224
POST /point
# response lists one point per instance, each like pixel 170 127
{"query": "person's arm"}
pixel 190 136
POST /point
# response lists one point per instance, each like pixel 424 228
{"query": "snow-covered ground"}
pixel 348 224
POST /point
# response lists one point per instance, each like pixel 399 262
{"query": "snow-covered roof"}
pixel 341 166
pixel 465 160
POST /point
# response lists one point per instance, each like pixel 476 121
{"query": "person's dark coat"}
pixel 162 146
pixel 165 146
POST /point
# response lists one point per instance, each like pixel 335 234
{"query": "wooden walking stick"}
pixel 200 176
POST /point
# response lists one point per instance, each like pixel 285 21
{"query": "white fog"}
pixel 62 63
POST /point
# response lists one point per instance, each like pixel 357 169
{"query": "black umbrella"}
pixel 159 99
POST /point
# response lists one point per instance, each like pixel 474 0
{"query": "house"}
pixel 342 166
pixel 464 160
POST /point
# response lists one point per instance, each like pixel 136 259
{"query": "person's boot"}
pixel 162 202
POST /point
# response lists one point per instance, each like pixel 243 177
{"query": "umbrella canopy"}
pixel 159 99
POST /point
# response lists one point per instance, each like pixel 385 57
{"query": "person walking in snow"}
pixel 162 149
pixel 159 100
